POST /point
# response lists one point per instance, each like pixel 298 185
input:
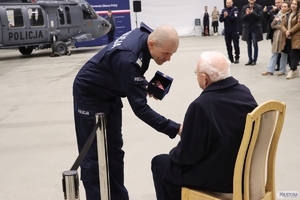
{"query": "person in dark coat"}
pixel 111 19
pixel 269 13
pixel 206 22
pixel 252 33
pixel 212 131
pixel 114 72
pixel 229 16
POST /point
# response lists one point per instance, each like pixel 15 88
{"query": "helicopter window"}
pixel 15 18
pixel 36 17
pixel 61 15
pixel 88 12
pixel 67 9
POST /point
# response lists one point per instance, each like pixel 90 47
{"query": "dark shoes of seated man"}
pixel 251 62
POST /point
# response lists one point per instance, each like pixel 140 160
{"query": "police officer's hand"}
pixel 151 96
pixel 225 14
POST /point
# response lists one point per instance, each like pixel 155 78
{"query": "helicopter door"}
pixel 12 26
pixel 37 32
pixel 21 29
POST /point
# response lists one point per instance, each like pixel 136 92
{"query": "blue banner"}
pixel 120 10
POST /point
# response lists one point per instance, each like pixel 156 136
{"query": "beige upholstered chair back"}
pixel 258 160
pixel 262 131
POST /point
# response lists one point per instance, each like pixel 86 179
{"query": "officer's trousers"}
pixel 84 124
pixel 232 37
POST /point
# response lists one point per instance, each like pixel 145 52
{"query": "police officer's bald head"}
pixel 164 34
pixel 162 43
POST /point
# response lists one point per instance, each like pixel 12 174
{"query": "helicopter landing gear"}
pixel 26 50
pixel 59 48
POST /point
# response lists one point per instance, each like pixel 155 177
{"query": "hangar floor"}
pixel 36 119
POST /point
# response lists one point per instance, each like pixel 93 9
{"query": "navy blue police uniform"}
pixel 231 31
pixel 116 71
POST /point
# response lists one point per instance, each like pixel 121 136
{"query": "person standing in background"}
pixel 277 42
pixel 111 19
pixel 206 22
pixel 269 13
pixel 229 16
pixel 252 28
pixel 215 20
pixel 290 26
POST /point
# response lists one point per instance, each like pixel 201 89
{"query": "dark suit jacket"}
pixel 212 131
pixel 254 21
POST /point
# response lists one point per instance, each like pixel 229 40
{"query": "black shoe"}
pixel 236 61
pixel 253 63
pixel 249 62
pixel 277 68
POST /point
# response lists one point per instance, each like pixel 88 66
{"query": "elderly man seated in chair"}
pixel 212 132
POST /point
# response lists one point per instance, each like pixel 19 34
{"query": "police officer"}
pixel 114 72
pixel 229 16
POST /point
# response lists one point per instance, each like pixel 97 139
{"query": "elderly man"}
pixel 118 71
pixel 211 135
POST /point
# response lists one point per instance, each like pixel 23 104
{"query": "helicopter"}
pixel 40 24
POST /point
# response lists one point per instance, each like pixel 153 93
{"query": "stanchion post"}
pixel 102 156
pixel 70 184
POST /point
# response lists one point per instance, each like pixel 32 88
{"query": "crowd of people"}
pixel 283 30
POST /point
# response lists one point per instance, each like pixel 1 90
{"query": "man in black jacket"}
pixel 251 17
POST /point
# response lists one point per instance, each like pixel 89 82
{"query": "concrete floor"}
pixel 37 137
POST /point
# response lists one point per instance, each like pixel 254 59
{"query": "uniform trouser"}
pixel 252 40
pixel 164 190
pixel 84 125
pixel 230 38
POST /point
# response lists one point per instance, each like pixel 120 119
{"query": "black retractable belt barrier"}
pixel 70 181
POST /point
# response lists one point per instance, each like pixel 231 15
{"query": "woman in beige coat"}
pixel 277 42
pixel 291 29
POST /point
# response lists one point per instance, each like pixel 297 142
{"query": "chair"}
pixel 258 148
